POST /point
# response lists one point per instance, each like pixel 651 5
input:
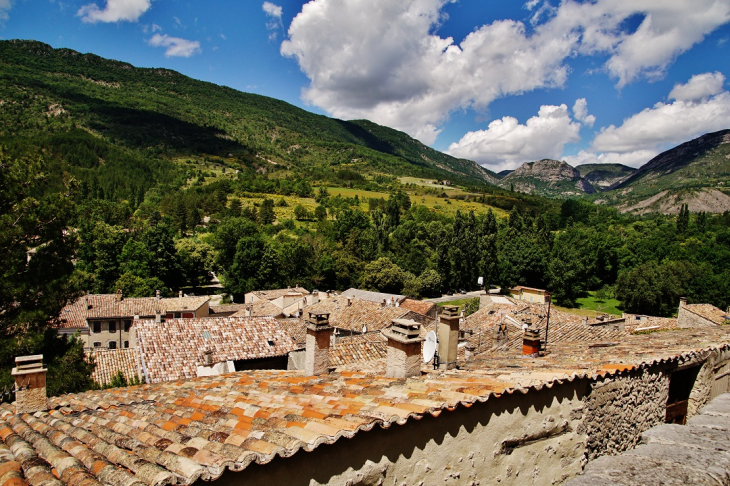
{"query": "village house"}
pixel 506 415
pixel 701 315
pixel 529 294
pixel 104 321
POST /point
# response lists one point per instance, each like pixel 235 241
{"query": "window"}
pixel 97 344
pixel 178 315
pixel 126 344
pixel 112 345
pixel 113 326
pixel 127 325
pixel 97 327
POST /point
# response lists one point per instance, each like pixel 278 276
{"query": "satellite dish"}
pixel 429 346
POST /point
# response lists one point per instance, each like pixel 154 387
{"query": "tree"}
pixel 197 261
pixel 301 213
pixel 683 219
pixel 320 213
pixel 266 212
pixel 383 275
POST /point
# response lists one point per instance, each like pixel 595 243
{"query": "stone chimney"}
pixel 317 353
pixel 158 315
pixel 30 384
pixel 382 303
pixel 180 293
pixel 531 342
pixel 120 295
pixel 448 335
pixel 157 294
pixel 208 357
pixel 404 349
pixel 682 302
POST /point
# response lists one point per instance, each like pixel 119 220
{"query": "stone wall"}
pixel 618 409
pixel 687 319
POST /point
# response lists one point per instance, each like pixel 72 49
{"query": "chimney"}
pixel 315 297
pixel 249 310
pixel 30 384
pixel 404 349
pixel 448 335
pixel 317 353
pixel 158 315
pixel 179 293
pixel 157 294
pixel 208 357
pixel 349 301
pixel 120 296
pixel 682 302
pixel 531 343
pixel 382 303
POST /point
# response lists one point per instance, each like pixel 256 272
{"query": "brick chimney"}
pixel 404 349
pixel 531 342
pixel 448 335
pixel 317 353
pixel 30 384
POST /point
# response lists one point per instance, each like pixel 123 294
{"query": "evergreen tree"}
pixel 266 212
pixel 683 219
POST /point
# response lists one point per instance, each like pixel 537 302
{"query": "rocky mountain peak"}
pixel 547 170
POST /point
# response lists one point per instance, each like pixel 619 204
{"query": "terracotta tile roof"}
pixel 259 309
pixel 709 312
pixel 371 346
pixel 296 328
pixel 110 361
pixel 639 323
pixel 179 432
pixel 276 293
pixel 420 306
pixel 376 297
pixel 357 313
pixel 98 306
pixel 227 309
pixel 173 349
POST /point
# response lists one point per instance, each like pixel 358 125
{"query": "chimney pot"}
pixel 404 349
pixel 317 352
pixel 30 384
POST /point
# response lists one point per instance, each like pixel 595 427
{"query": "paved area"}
pixel 697 453
pixel 457 296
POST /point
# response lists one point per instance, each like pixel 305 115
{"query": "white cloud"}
pixel 699 86
pixel 506 144
pixel 5 6
pixel 114 11
pixel 580 111
pixel 666 123
pixel 636 158
pixel 272 10
pixel 394 70
pixel 176 47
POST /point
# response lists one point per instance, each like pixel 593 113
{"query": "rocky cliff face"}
pixel 604 176
pixel 548 177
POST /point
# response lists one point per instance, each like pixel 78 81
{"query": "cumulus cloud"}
pixel 506 144
pixel 580 111
pixel 176 47
pixel 394 70
pixel 114 11
pixel 666 123
pixel 699 86
pixel 274 24
pixel 635 158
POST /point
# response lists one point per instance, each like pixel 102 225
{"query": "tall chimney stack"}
pixel 531 342
pixel 448 334
pixel 30 384
pixel 317 353
pixel 404 349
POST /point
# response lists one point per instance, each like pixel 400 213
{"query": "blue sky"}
pixel 501 83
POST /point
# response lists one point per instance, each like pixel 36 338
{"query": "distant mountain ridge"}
pixel 603 176
pixel 138 108
pixel 548 177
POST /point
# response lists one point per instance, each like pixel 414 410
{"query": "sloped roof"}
pixel 361 348
pixel 420 306
pixel 182 431
pixel 259 309
pixel 173 349
pixel 111 361
pixel 296 328
pixel 709 312
pixel 357 313
pixel 99 306
pixel 274 294
pixel 376 297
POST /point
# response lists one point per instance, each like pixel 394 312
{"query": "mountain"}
pixel 100 118
pixel 696 173
pixel 503 173
pixel 548 177
pixel 604 176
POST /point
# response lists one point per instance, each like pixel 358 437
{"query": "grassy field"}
pixel 442 205
pixel 610 306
